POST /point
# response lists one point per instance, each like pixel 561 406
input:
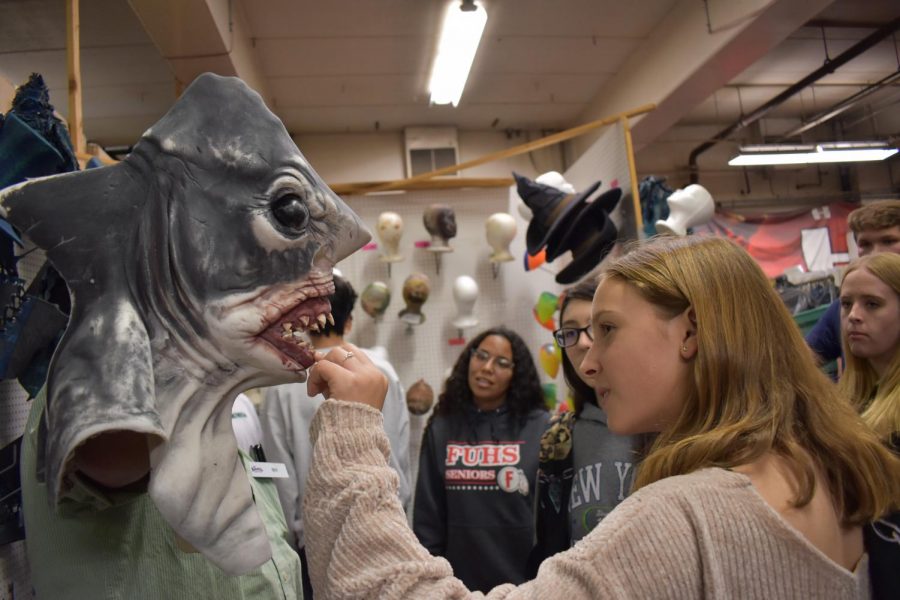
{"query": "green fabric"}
pixel 127 551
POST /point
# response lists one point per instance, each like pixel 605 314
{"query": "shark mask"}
pixel 195 266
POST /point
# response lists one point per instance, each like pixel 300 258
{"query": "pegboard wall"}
pixel 15 575
pixel 424 351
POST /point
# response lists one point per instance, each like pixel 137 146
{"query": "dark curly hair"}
pixel 524 394
pixel 582 393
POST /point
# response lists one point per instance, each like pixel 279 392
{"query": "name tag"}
pixel 268 469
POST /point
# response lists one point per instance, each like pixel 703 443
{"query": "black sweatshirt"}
pixel 474 493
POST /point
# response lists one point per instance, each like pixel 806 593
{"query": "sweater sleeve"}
pixel 359 544
pixel 430 513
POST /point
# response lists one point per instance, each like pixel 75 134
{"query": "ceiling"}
pixel 362 65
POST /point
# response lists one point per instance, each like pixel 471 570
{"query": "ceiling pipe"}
pixel 846 103
pixel 828 68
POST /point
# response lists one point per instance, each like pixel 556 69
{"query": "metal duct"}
pixel 828 68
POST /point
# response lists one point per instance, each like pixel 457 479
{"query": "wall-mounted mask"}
pixel 440 222
pixel 688 208
pixel 500 231
pixel 390 229
pixel 465 293
pixel 375 299
pixel 419 397
pixel 416 289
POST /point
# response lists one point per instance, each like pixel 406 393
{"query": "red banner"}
pixel 815 239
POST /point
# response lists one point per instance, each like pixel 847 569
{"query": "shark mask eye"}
pixel 291 212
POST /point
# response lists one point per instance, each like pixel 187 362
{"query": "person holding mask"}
pixel 287 412
pixel 582 462
pixel 477 466
pixel 757 485
pixel 870 328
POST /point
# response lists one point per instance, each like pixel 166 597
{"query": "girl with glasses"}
pixel 475 489
pixel 757 485
pixel 582 462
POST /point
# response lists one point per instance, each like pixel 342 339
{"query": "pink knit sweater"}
pixel 703 535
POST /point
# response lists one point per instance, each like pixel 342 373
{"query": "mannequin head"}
pixel 500 230
pixel 416 289
pixel 390 229
pixel 465 292
pixel 419 397
pixel 688 208
pixel 375 299
pixel 440 222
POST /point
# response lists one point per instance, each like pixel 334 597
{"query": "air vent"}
pixel 430 148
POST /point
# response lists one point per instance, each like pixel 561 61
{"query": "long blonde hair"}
pixel 877 398
pixel 755 386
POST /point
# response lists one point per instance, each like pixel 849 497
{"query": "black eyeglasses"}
pixel 483 356
pixel 568 336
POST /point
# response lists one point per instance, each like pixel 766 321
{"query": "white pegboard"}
pixel 423 351
pixel 15 575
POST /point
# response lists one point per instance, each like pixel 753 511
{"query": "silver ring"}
pixel 348 357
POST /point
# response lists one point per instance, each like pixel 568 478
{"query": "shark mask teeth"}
pixel 297 330
pixel 290 334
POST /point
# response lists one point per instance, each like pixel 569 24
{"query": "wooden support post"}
pixel 7 93
pixel 632 172
pixel 73 46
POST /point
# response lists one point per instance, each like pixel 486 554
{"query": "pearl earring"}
pixel 684 348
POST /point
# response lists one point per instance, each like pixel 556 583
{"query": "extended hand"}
pixel 346 373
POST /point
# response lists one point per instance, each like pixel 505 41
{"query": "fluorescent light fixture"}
pixel 463 25
pixel 812 154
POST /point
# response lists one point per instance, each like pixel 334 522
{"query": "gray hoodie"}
pixel 604 465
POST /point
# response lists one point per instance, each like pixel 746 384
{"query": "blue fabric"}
pixel 32 105
pixel 25 153
pixel 825 337
pixel 6 228
pixel 33 143
pixel 653 192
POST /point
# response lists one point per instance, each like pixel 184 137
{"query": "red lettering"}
pixel 482 455
pixel 453 454
pixel 510 455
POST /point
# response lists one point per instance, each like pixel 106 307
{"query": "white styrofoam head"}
pixel 465 292
pixel 556 180
pixel 500 230
pixel 688 208
pixel 390 229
